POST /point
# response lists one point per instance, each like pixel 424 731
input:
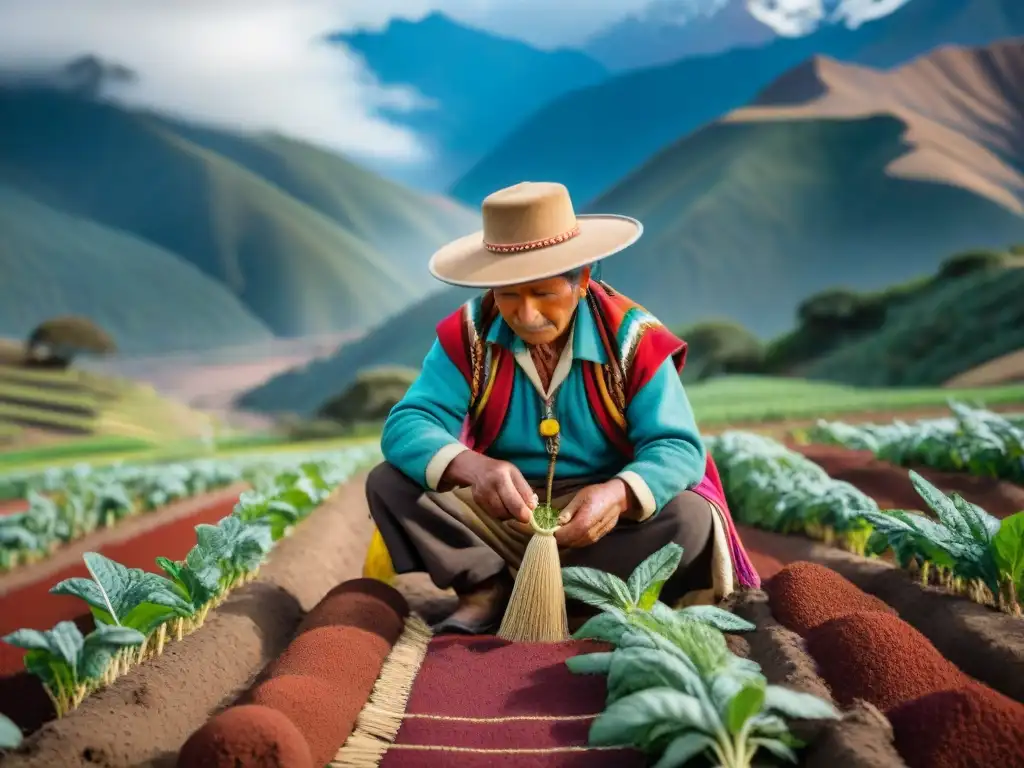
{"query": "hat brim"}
pixel 467 263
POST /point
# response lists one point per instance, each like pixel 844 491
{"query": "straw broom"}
pixel 536 610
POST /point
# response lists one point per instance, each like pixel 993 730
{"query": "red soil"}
pixel 486 678
pixel 890 486
pixel 10 506
pixel 364 603
pixel 962 728
pixel 250 736
pixel 769 552
pixel 33 606
pixel 316 653
pixel 805 595
pixel 22 697
pixel 880 658
pixel 315 708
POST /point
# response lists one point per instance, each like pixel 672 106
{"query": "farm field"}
pixel 929 633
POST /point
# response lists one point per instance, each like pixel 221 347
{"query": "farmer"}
pixel 548 349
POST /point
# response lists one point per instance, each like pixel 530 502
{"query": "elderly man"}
pixel 466 457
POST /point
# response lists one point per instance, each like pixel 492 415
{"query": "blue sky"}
pixel 254 64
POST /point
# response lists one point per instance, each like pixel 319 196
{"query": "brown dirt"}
pixel 208 669
pixel 890 486
pixel 131 528
pixel 1006 369
pixel 252 736
pixel 861 739
pixel 806 595
pixel 986 644
pixel 315 708
pixel 879 658
pixel 972 726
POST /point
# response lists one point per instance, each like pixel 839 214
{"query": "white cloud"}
pixel 246 64
pixel 793 18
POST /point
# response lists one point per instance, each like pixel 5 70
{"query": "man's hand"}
pixel 592 513
pixel 499 488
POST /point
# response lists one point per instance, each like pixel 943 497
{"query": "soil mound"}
pixel 805 595
pixel 313 706
pixel 319 651
pixel 250 736
pixel 879 658
pixel 368 604
pixel 961 728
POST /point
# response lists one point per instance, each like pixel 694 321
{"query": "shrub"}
pixel 841 309
pixel 370 397
pixel 970 262
pixel 721 347
pixel 57 341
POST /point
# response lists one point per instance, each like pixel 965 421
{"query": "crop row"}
pixel 674 688
pixel 66 504
pixel 136 612
pixel 961 547
pixel 971 440
pixel 865 651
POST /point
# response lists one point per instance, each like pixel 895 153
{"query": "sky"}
pixel 262 65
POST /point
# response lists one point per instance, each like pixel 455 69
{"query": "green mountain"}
pixel 306 241
pixel 146 297
pixel 845 176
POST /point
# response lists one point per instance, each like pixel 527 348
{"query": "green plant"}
pixel 675 690
pixel 69 665
pixel 965 549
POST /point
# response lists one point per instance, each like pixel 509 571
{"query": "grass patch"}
pixel 734 399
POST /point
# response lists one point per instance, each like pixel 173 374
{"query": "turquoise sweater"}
pixel 420 434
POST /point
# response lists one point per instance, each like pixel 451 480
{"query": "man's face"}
pixel 540 312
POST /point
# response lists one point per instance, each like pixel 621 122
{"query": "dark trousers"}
pixel 422 537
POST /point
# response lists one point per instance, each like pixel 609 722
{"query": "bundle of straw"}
pixel 536 610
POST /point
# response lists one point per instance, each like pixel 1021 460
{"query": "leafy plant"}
pixel 965 549
pixel 675 690
pixel 69 665
pixel 10 734
pixel 971 440
pixel 771 487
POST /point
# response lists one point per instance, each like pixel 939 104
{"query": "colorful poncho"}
pixel 636 344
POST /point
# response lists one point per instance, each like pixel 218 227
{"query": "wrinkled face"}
pixel 540 312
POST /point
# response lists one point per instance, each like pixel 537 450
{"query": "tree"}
pixel 57 341
pixel 370 397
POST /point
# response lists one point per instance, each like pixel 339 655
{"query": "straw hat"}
pixel 531 232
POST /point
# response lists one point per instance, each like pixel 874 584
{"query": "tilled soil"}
pixel 145 717
pixel 863 737
pixel 889 485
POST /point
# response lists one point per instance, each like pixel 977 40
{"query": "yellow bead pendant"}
pixel 549 427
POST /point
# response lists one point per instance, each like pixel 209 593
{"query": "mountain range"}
pixel 478 86
pixel 593 137
pixel 835 174
pixel 173 236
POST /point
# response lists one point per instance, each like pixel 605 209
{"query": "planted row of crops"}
pixel 674 688
pixel 137 612
pixel 65 504
pixel 971 440
pixel 960 546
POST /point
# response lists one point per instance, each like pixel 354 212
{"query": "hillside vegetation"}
pixel 914 334
pixel 305 242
